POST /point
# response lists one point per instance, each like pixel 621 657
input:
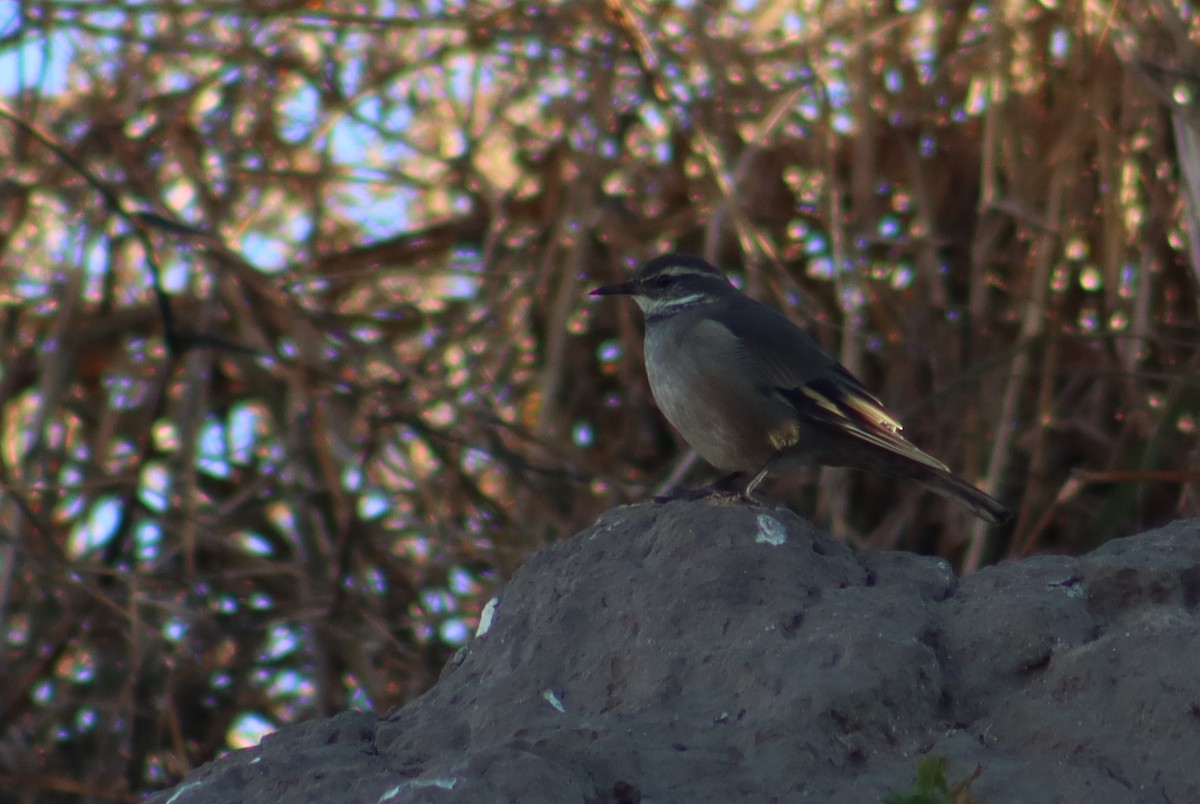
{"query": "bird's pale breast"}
pixel 692 365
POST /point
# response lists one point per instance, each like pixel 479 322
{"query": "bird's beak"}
pixel 620 289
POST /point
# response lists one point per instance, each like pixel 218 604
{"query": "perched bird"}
pixel 753 393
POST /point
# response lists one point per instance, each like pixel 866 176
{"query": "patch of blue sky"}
pixel 809 106
pixel 889 226
pixel 793 24
pixel 350 71
pixel 459 286
pixel 816 243
pixel 378 214
pixel 372 505
pixel 300 114
pixel 175 274
pixel 260 601
pixel 147 541
pixel 927 145
pixel 583 435
pixel 248 729
pixel 85 720
pixel 43 693
pixel 96 529
pixel 245 431
pixel 533 48
pixel 154 486
pixel 95 266
pixel 282 517
pixel 225 604
pixel 112 21
pixel 253 543
pixel 281 641
pixel 454 631
pixel 31 288
pixel 893 80
pixel 35 64
pixel 72 503
pixel 903 275
pixel 555 84
pixel 438 601
pixel 609 351
pixel 461 582
pixel 211 455
pixel 468 72
pixel 837 90
pixel 124 392
pixel 430 8
pixel 93 59
pixel 269 253
pixel 1060 44
pixel 362 142
pixel 291 684
pixel 186 76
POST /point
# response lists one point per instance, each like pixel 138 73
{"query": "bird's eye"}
pixel 664 281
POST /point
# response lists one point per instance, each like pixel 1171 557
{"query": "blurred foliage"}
pixel 298 361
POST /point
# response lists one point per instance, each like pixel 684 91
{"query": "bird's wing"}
pixel 819 389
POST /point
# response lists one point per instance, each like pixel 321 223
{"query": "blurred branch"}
pixel 140 224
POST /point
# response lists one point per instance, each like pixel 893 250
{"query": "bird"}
pixel 753 393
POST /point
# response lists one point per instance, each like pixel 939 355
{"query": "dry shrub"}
pixel 298 362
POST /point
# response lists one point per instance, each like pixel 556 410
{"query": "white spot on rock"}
pixel 770 530
pixel 553 700
pixel 416 784
pixel 183 789
pixel 485 617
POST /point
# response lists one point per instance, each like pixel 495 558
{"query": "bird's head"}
pixel 671 283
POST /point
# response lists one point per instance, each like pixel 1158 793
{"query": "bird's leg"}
pixel 721 488
pixel 748 492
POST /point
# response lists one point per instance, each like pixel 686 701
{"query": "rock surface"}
pixel 700 652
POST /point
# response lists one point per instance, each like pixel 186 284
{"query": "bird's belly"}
pixel 715 417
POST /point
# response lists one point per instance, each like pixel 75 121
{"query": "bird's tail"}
pixel 954 488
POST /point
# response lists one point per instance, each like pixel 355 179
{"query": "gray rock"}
pixel 701 652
